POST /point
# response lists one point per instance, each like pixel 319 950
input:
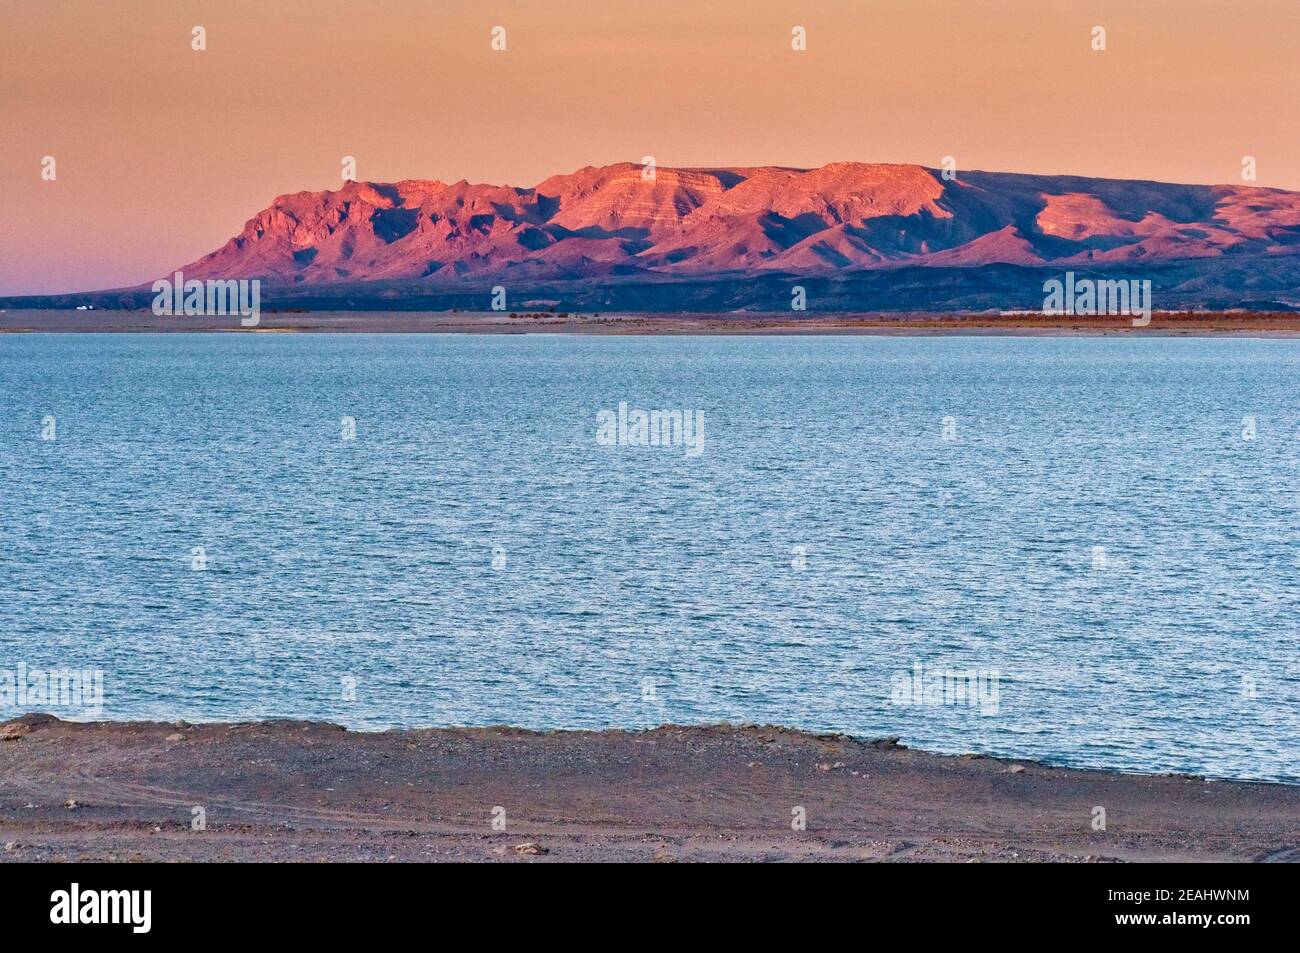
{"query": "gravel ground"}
pixel 286 791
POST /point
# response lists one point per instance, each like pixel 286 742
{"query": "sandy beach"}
pixel 295 791
pixel 1254 324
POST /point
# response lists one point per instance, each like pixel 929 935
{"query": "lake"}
pixel 1082 550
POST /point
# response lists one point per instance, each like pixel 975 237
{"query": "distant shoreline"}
pixel 290 790
pixel 1252 324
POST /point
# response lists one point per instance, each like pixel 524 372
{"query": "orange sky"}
pixel 163 153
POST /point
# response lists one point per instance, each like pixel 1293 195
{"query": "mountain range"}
pixel 861 236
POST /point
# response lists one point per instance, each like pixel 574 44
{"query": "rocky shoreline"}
pixel 285 791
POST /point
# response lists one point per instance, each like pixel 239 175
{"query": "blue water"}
pixel 355 580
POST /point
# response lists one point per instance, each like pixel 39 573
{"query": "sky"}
pixel 163 152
